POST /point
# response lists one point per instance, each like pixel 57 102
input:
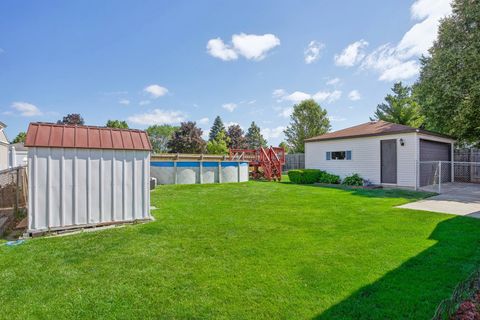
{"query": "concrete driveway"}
pixel 461 199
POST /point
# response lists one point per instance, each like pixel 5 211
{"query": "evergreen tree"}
pixel 187 139
pixel 254 137
pixel 237 137
pixel 216 128
pixel 399 107
pixel 307 120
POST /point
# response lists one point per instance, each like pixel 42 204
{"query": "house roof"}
pixel 19 146
pixel 372 128
pixel 87 137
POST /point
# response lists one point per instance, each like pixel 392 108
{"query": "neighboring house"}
pixel 3 147
pixel 382 152
pixel 18 155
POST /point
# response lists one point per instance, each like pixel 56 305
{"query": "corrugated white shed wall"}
pixel 86 186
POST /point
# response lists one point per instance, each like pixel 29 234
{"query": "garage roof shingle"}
pixel 51 135
pixel 372 128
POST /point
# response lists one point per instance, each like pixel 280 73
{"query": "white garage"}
pixel 382 152
pixel 85 176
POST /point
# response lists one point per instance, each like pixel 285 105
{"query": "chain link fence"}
pixel 433 174
pixel 294 161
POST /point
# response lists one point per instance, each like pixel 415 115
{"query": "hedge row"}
pixel 309 176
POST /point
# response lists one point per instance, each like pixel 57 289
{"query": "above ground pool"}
pixel 193 172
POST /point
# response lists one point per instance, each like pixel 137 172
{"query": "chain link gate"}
pixel 431 175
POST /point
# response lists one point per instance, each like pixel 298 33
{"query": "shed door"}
pixel 388 154
pixel 434 151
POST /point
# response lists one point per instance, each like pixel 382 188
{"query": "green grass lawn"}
pixel 249 251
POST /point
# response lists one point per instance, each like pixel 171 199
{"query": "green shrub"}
pixel 353 180
pixel 306 176
pixel 329 178
pixel 295 176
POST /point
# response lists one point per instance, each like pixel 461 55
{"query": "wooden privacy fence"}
pixel 294 161
pixel 13 188
pixel 467 165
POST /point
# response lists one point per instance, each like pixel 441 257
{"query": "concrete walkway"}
pixel 461 199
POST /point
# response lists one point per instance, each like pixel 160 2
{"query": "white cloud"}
pixel 218 49
pixel 336 119
pixel 313 51
pixel 352 54
pixel 203 120
pixel 26 109
pixel 158 116
pixel 333 81
pixel 298 96
pixel 251 101
pixel 272 133
pixel 354 95
pixel 229 106
pixel 250 46
pixel 156 91
pixel 329 96
pixel 144 102
pixel 125 102
pixel 286 112
pixel 400 61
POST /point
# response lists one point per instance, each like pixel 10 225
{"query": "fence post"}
pixel 439 176
pixel 17 190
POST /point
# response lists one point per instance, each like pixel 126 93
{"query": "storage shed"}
pixel 382 152
pixel 86 176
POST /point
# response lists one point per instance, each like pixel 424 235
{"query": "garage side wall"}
pixel 70 187
pixel 365 157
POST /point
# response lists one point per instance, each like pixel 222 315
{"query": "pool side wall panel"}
pixel 196 172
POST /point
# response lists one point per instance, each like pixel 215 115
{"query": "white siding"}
pixel 71 187
pixel 365 157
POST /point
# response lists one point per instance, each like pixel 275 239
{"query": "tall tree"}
pixel 307 120
pixel 448 89
pixel 116 124
pixel 254 137
pixel 72 119
pixel 216 128
pixel 399 107
pixel 187 139
pixel 159 136
pixel 21 136
pixel 237 137
pixel 219 145
pixel 285 147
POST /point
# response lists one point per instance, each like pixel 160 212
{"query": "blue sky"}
pixel 154 62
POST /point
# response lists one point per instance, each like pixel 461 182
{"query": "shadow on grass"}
pixel 415 288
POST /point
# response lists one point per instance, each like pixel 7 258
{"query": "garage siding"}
pixel 365 157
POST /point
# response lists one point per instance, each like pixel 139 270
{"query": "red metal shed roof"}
pixel 87 137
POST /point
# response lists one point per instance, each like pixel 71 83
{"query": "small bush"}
pixel 307 176
pixel 328 178
pixel 295 176
pixel 353 180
